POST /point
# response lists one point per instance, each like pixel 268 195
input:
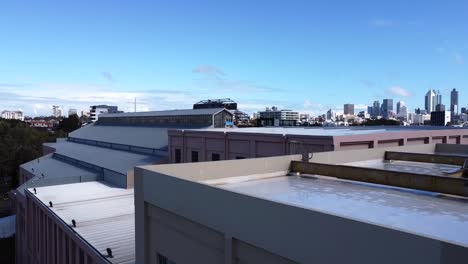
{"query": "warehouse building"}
pixel 284 210
pixel 210 117
pixel 100 156
pixel 191 145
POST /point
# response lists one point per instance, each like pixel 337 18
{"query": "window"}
pixel 240 157
pixel 194 156
pixel 178 156
pixel 215 156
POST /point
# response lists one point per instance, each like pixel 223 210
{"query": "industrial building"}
pixel 82 174
pixel 209 117
pixel 394 205
pixel 190 145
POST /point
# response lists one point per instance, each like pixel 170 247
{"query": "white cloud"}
pixel 38 99
pixel 398 91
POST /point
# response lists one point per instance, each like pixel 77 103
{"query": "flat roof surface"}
pixel 408 166
pixel 116 160
pixel 410 211
pixel 104 215
pixel 139 136
pixel 314 131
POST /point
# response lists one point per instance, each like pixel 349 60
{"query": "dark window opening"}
pixel 178 156
pixel 215 156
pixel 194 156
pixel 240 157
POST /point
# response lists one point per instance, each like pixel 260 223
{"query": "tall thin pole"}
pixel 135 104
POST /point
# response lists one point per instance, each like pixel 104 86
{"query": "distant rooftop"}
pixel 178 112
pixel 104 215
pixel 318 131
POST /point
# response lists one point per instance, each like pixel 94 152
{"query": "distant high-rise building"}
pixel 432 99
pixel 387 107
pixel 57 111
pixel 403 114
pixel 331 115
pixel 399 105
pixel 370 110
pixel 440 107
pixel 349 109
pixel 376 109
pixel 454 101
pixel 72 112
pixel 463 110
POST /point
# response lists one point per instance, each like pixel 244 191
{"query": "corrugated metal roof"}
pixel 104 215
pixel 115 160
pixel 53 168
pixel 139 136
pixel 177 112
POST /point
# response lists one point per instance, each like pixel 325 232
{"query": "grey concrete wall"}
pixel 294 233
pixel 345 156
pixel 203 171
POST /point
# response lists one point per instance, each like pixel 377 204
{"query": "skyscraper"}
pixel 454 101
pixel 349 109
pixel 432 99
pixel 399 105
pixel 376 109
pixel 331 115
pixel 387 107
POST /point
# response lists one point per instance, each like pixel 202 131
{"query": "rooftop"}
pixel 315 131
pixel 177 112
pixel 104 215
pixel 139 136
pixel 115 160
pixel 444 219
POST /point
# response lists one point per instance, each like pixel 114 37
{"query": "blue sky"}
pixel 303 55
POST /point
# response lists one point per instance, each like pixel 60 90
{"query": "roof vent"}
pixel 109 252
pixel 74 223
pixel 50 204
pixel 35 192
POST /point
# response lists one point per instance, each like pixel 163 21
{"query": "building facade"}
pixel 387 108
pixel 276 117
pixel 57 111
pixel 194 145
pixel 348 109
pixel 440 118
pixel 96 110
pixel 454 101
pixel 18 115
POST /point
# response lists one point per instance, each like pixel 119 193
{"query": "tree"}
pixel 70 124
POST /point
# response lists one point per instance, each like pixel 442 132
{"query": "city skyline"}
pixel 309 57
